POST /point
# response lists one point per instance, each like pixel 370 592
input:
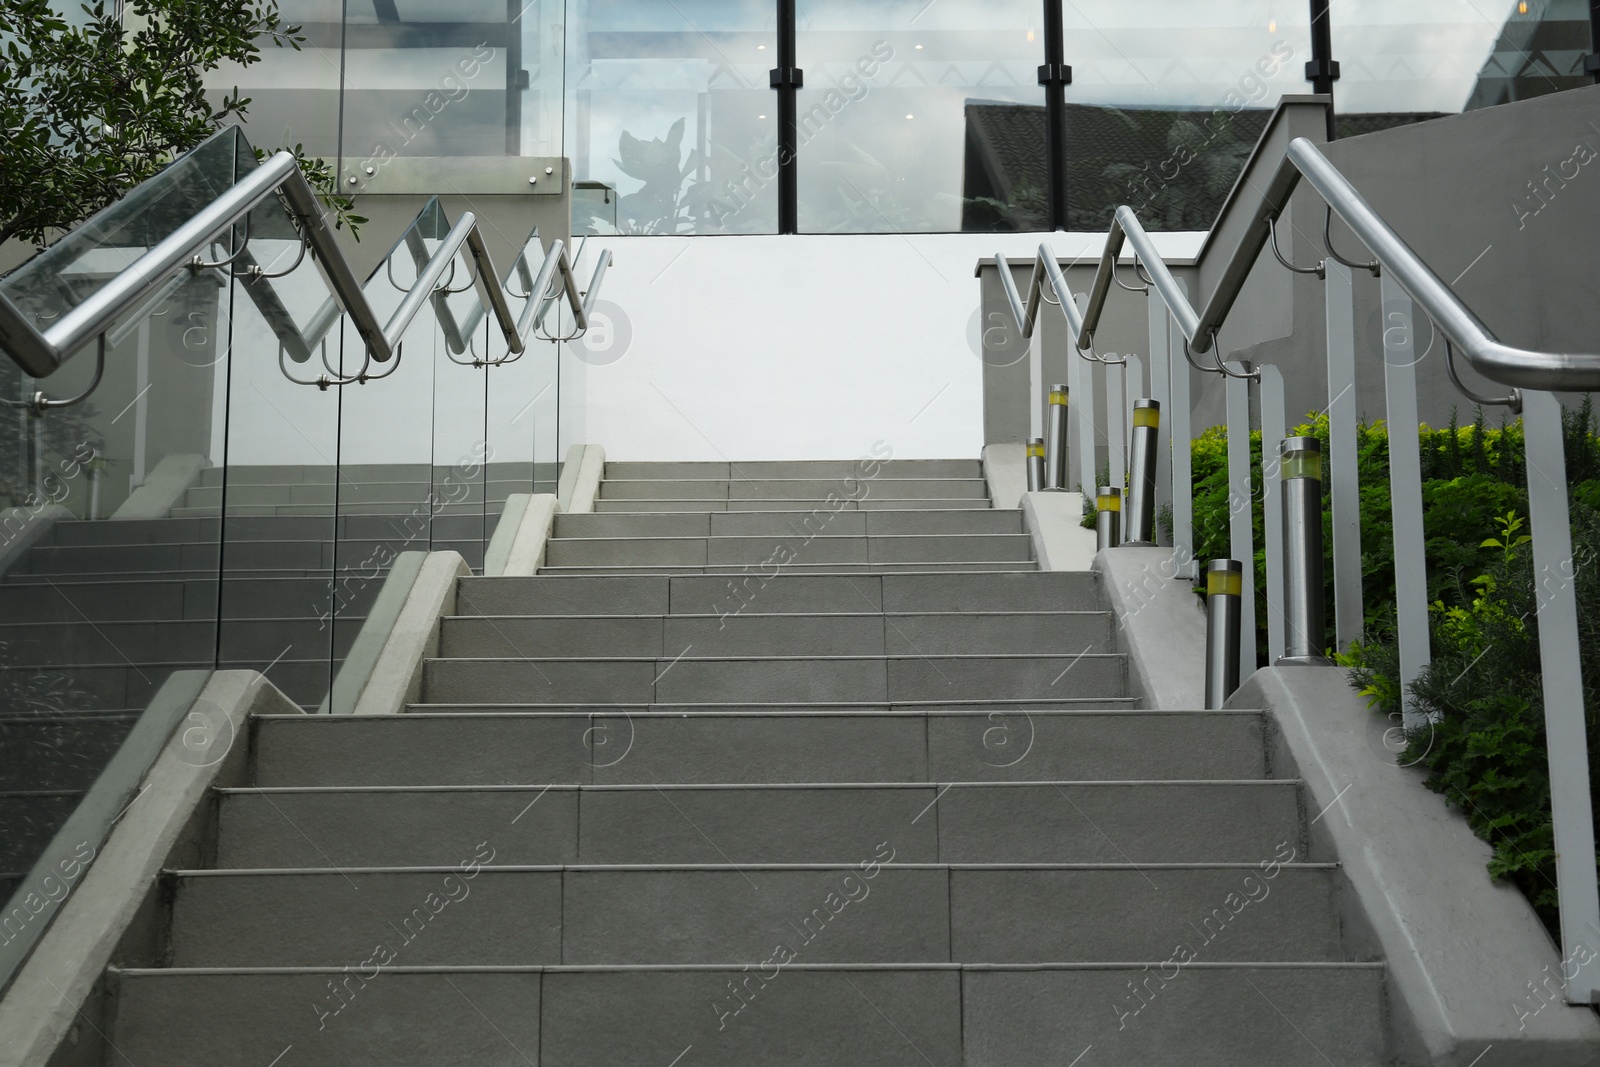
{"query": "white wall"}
pixel 796 347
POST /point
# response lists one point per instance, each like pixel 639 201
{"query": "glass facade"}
pixel 912 116
pixel 920 118
pixel 668 107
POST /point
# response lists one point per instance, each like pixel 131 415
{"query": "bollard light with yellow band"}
pixel 1035 464
pixel 1139 521
pixel 1108 513
pixel 1055 441
pixel 1304 609
pixel 1224 588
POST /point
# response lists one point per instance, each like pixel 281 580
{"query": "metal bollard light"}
pixel 1055 441
pixel 1139 521
pixel 1108 509
pixel 1224 586
pixel 1304 608
pixel 1035 464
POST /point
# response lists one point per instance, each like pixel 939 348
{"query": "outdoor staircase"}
pixel 750 776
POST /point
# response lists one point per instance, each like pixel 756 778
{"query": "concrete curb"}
pixel 23 528
pixel 1059 543
pixel 1161 624
pixel 1464 955
pixel 1005 468
pixel 362 660
pixel 518 546
pixel 580 478
pixel 163 487
pixel 164 820
pixel 396 678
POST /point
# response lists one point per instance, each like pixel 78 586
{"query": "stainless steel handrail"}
pixel 1507 364
pixel 41 353
pixel 1045 268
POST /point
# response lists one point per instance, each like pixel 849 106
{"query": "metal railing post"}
pixel 1561 667
pixel 1273 431
pixel 1108 509
pixel 1344 484
pixel 1224 589
pixel 1405 496
pixel 1140 519
pixel 1304 608
pixel 1241 508
pixel 1055 441
pixel 1035 464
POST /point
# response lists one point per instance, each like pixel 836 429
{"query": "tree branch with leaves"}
pixel 91 110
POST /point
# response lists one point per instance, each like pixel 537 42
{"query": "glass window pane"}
pixel 921 117
pixel 1432 57
pixel 1167 99
pixel 670 110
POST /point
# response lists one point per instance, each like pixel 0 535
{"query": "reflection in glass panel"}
pixel 1168 98
pixel 669 108
pixel 919 117
pixel 1402 62
pixel 294 95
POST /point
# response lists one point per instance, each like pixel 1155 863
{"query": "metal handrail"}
pixel 1045 268
pixel 1506 364
pixel 41 353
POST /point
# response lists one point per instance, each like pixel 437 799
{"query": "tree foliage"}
pixel 96 102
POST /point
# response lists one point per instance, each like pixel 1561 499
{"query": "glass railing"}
pixel 232 488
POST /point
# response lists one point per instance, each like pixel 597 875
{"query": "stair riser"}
pixel 849 487
pixel 686 917
pixel 761 593
pixel 751 635
pixel 818 1018
pixel 1143 823
pixel 816 468
pixel 787 523
pixel 858 746
pixel 685 681
pixel 793 505
pixel 787 551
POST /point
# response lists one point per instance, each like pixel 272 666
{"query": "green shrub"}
pixel 1484 749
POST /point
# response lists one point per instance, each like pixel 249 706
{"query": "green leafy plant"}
pixel 95 104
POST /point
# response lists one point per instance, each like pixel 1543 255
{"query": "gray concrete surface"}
pixel 1161 625
pixel 1055 523
pixel 396 677
pixel 1460 949
pixel 1006 472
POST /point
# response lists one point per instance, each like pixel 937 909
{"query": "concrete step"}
pixel 689 679
pixel 819 468
pixel 798 635
pixel 781 523
pixel 783 504
pixel 748 570
pixel 1202 1014
pixel 847 488
pixel 787 550
pixel 760 593
pixel 662 745
pixel 1043 822
pixel 582 915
